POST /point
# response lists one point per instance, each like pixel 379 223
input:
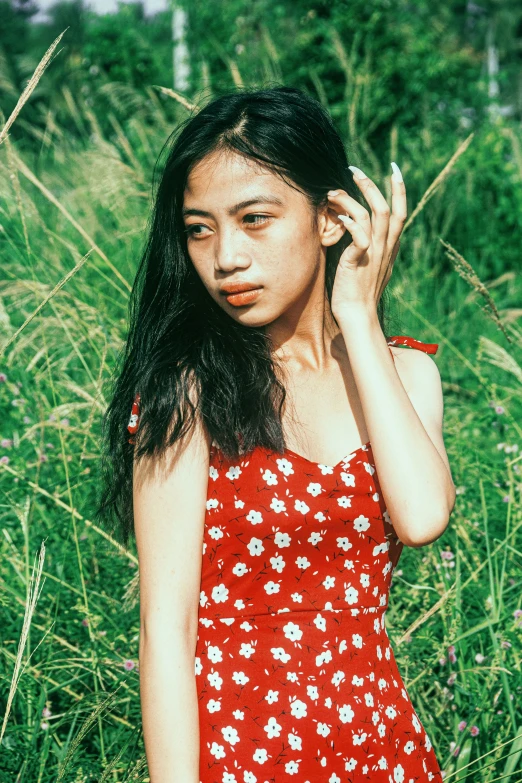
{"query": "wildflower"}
pixel 46 712
pixel 499 409
pixel 3 377
pixel 474 730
pixel 64 422
pixel 6 443
pixel 517 613
pixel 506 499
pixel 26 420
pixel 442 661
pixel 128 665
pixel 44 458
pixel 447 554
pixel 452 678
pixel 85 621
pixel 462 725
pixel 505 644
pixel 480 658
pixel 456 751
pixel 44 725
pixel 4 459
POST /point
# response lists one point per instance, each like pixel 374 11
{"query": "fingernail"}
pixel 333 192
pixel 346 218
pixel 358 174
pixel 396 176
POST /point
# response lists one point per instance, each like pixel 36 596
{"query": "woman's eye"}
pixel 259 221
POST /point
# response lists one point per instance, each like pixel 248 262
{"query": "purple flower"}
pixel 462 725
pixel 474 730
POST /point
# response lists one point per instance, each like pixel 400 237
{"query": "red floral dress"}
pixel 295 673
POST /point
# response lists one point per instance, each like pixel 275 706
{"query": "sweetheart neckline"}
pixel 363 447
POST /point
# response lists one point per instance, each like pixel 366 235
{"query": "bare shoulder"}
pixel 420 376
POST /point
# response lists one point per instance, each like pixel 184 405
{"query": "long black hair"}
pixel 179 339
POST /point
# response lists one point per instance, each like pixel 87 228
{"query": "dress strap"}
pixel 132 426
pixel 413 343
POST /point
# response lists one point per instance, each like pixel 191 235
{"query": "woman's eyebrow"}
pixel 261 199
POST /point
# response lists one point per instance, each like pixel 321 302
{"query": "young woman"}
pixel 283 450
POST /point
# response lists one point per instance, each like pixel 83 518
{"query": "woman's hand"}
pixel 367 263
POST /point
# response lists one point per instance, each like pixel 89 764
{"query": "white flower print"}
pixel 379 549
pixel 215 680
pixel 214 654
pixel 301 506
pixel 230 734
pixel 338 678
pixel 357 640
pixel 212 473
pixel 357 680
pixel 409 747
pixel 277 505
pixel 428 743
pixel 261 755
pixel 390 712
pixel 219 593
pixel 381 728
pixel 270 477
pixel 369 468
pixel 359 737
pixel 351 595
pixel 346 713
pixel 320 622
pixel 292 677
pixel 315 537
pixel 272 696
pixel 246 649
pixel 365 580
pixel 361 523
pixel 240 678
pixel 272 587
pixel 344 501
pixel 254 517
pixel 292 631
pixel 328 582
pixel 238 715
pixel 285 466
pixel 312 692
pixel 255 546
pixel 298 708
pixel 198 666
pixel 398 774
pixel 213 705
pixel 383 764
pixel 323 729
pixel 233 472
pixel 215 533
pixel 218 751
pixel 328 702
pixel 324 657
pixel 297 598
pixel 350 765
pixel 239 604
pixel 239 504
pixel 272 728
pixel 314 489
pixel 326 470
pixel 249 777
pixel 334 778
pixel 291 767
pixel 303 562
pixel 295 742
pixel 280 654
pixel 416 723
pixel 348 564
pixel 382 684
pixel 277 563
pixel 240 569
pixel 344 544
pixel 348 479
pixel 212 503
pixel 281 540
pixel 320 516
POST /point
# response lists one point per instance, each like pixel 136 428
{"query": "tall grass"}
pixel 72 221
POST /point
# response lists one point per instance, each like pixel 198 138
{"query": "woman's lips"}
pixel 244 297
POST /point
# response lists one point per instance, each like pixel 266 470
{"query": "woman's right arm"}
pixel 169 499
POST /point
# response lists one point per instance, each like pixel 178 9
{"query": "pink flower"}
pixel 3 377
pixel 462 725
pixel 517 613
pixel 506 499
pixel 499 409
pixel 129 665
pixel 85 621
pixel 64 422
pixel 6 443
pixel 46 712
pixel 451 648
pixel 442 661
pixel 453 657
pixel 447 554
pixel 44 458
pixel 452 678
pixel 456 751
pixel 5 459
pixel 474 730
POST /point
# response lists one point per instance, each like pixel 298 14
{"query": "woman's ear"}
pixel 331 229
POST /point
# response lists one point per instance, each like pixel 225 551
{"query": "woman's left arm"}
pixel 405 426
pixel 404 417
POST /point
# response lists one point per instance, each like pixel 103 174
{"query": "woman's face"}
pixel 270 244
